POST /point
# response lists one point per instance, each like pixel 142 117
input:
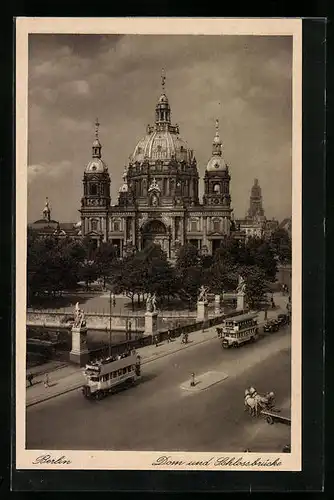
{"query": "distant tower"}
pixel 47 211
pixel 96 197
pixel 217 177
pixel 255 202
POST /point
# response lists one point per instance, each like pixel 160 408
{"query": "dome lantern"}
pixel 216 162
pixel 162 109
pixel 96 153
pixel 96 164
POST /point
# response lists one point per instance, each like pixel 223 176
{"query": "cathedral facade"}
pixel 158 199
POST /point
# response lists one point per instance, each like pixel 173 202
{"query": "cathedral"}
pixel 158 199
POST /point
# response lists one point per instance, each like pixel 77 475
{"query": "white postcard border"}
pixel 135 460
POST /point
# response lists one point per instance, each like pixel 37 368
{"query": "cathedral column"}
pixel 205 231
pixel 182 230
pixel 133 231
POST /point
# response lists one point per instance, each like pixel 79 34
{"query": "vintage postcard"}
pixel 158 244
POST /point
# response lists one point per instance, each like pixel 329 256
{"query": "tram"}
pixel 239 330
pixel 111 374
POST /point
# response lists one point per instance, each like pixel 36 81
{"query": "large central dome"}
pixel 162 141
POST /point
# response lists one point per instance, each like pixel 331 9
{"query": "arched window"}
pixel 216 188
pixel 93 189
pixel 94 225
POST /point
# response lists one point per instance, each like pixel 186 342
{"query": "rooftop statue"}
pixel 47 211
pixel 203 291
pixel 154 186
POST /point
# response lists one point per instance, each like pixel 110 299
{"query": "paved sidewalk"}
pixel 68 378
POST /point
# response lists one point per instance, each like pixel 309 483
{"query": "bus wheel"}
pixel 99 395
pixel 270 420
pixel 235 345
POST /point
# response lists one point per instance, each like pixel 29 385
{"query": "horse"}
pixel 251 405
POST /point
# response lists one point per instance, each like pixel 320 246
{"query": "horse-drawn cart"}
pixel 274 416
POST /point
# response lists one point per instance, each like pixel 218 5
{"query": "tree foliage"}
pixel 59 264
pixel 55 265
pixel 281 245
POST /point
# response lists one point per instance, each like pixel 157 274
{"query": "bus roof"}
pixel 111 366
pixel 242 317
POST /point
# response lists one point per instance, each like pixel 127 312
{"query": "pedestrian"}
pixel 30 379
pixel 46 381
pixel 169 339
pixel 156 340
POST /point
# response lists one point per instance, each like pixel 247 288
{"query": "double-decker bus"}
pixel 239 329
pixel 107 375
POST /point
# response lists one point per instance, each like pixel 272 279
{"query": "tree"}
pixel 158 274
pixel 88 272
pixel 130 277
pixel 189 272
pixel 222 277
pixel 231 251
pixel 187 257
pixel 280 242
pixel 259 252
pixel 104 259
pixel 51 267
pixel 256 285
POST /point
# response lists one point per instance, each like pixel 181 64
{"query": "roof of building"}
pixel 162 145
pixel 97 166
pixel 216 163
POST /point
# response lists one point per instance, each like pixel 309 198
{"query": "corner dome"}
pixel 216 164
pixel 96 166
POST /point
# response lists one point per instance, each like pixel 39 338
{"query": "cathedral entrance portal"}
pixel 156 232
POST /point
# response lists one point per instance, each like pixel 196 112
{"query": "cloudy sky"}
pixel 244 81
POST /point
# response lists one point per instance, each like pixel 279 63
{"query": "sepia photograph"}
pixel 159 185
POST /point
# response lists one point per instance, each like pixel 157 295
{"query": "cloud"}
pixel 68 124
pixel 243 81
pixel 48 170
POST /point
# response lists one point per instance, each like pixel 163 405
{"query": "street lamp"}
pixel 192 382
pixel 109 323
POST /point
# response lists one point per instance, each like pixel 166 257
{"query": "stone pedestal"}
pixel 79 353
pixel 240 301
pixel 151 323
pixel 202 311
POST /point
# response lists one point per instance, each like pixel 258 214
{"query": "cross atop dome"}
pixel 217 145
pixel 96 152
pixel 97 124
pixel 163 80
